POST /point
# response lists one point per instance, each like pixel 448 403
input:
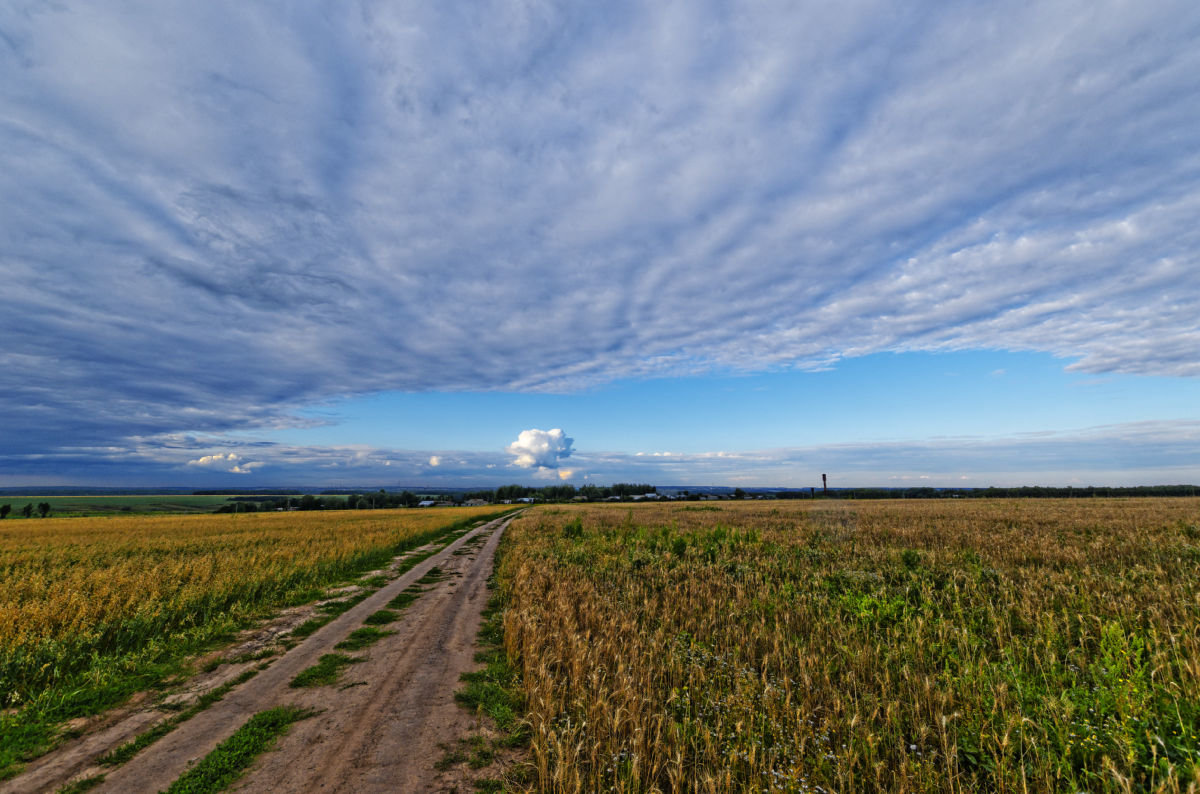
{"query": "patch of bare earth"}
pixel 158 765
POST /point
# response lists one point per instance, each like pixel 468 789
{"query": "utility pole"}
pixel 824 485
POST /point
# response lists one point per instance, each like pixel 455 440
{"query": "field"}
pixel 94 609
pixel 898 646
pixel 89 505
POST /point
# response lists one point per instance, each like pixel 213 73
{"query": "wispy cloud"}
pixel 218 213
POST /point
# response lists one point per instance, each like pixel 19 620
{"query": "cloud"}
pixel 228 462
pixel 435 461
pixel 540 448
pixel 217 214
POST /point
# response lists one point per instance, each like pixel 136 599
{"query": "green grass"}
pixel 434 576
pixel 406 598
pixel 309 626
pixel 495 690
pixel 335 608
pixel 362 638
pixel 33 730
pixel 131 748
pixel 326 671
pixel 79 786
pixel 382 617
pixel 233 756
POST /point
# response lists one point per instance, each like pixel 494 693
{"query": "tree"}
pixel 5 510
pixel 44 508
pixel 27 510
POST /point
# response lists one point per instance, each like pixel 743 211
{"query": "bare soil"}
pixel 383 727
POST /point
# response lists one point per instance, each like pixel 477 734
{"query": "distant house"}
pixel 475 502
pixel 426 503
pixel 526 499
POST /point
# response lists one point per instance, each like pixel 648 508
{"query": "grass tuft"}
pixel 326 671
pixel 362 638
pixel 382 617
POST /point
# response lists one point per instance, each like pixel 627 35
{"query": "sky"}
pixel 398 244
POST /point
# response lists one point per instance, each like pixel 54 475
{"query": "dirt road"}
pixel 378 729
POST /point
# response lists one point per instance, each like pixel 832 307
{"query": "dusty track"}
pixel 379 728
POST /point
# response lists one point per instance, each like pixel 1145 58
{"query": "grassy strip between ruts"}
pixel 362 638
pixel 147 738
pixel 326 671
pixel 233 756
pixel 335 608
pixel 28 732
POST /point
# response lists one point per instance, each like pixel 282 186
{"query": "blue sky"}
pixel 381 244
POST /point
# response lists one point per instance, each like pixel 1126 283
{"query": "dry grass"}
pixel 898 646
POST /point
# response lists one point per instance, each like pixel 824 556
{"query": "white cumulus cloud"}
pixel 229 462
pixel 540 448
pixel 434 460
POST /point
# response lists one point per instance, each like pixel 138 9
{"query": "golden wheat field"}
pixel 73 587
pixel 931 646
pixel 95 609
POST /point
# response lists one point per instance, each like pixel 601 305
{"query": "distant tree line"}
pixel 375 500
pixel 371 500
pixel 43 509
pixel 564 493
pixel 1022 492
pixel 247 492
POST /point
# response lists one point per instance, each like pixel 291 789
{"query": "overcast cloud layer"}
pixel 217 213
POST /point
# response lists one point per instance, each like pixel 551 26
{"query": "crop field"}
pixel 93 609
pixel 849 646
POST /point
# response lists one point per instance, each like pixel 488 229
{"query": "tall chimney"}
pixel 824 485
